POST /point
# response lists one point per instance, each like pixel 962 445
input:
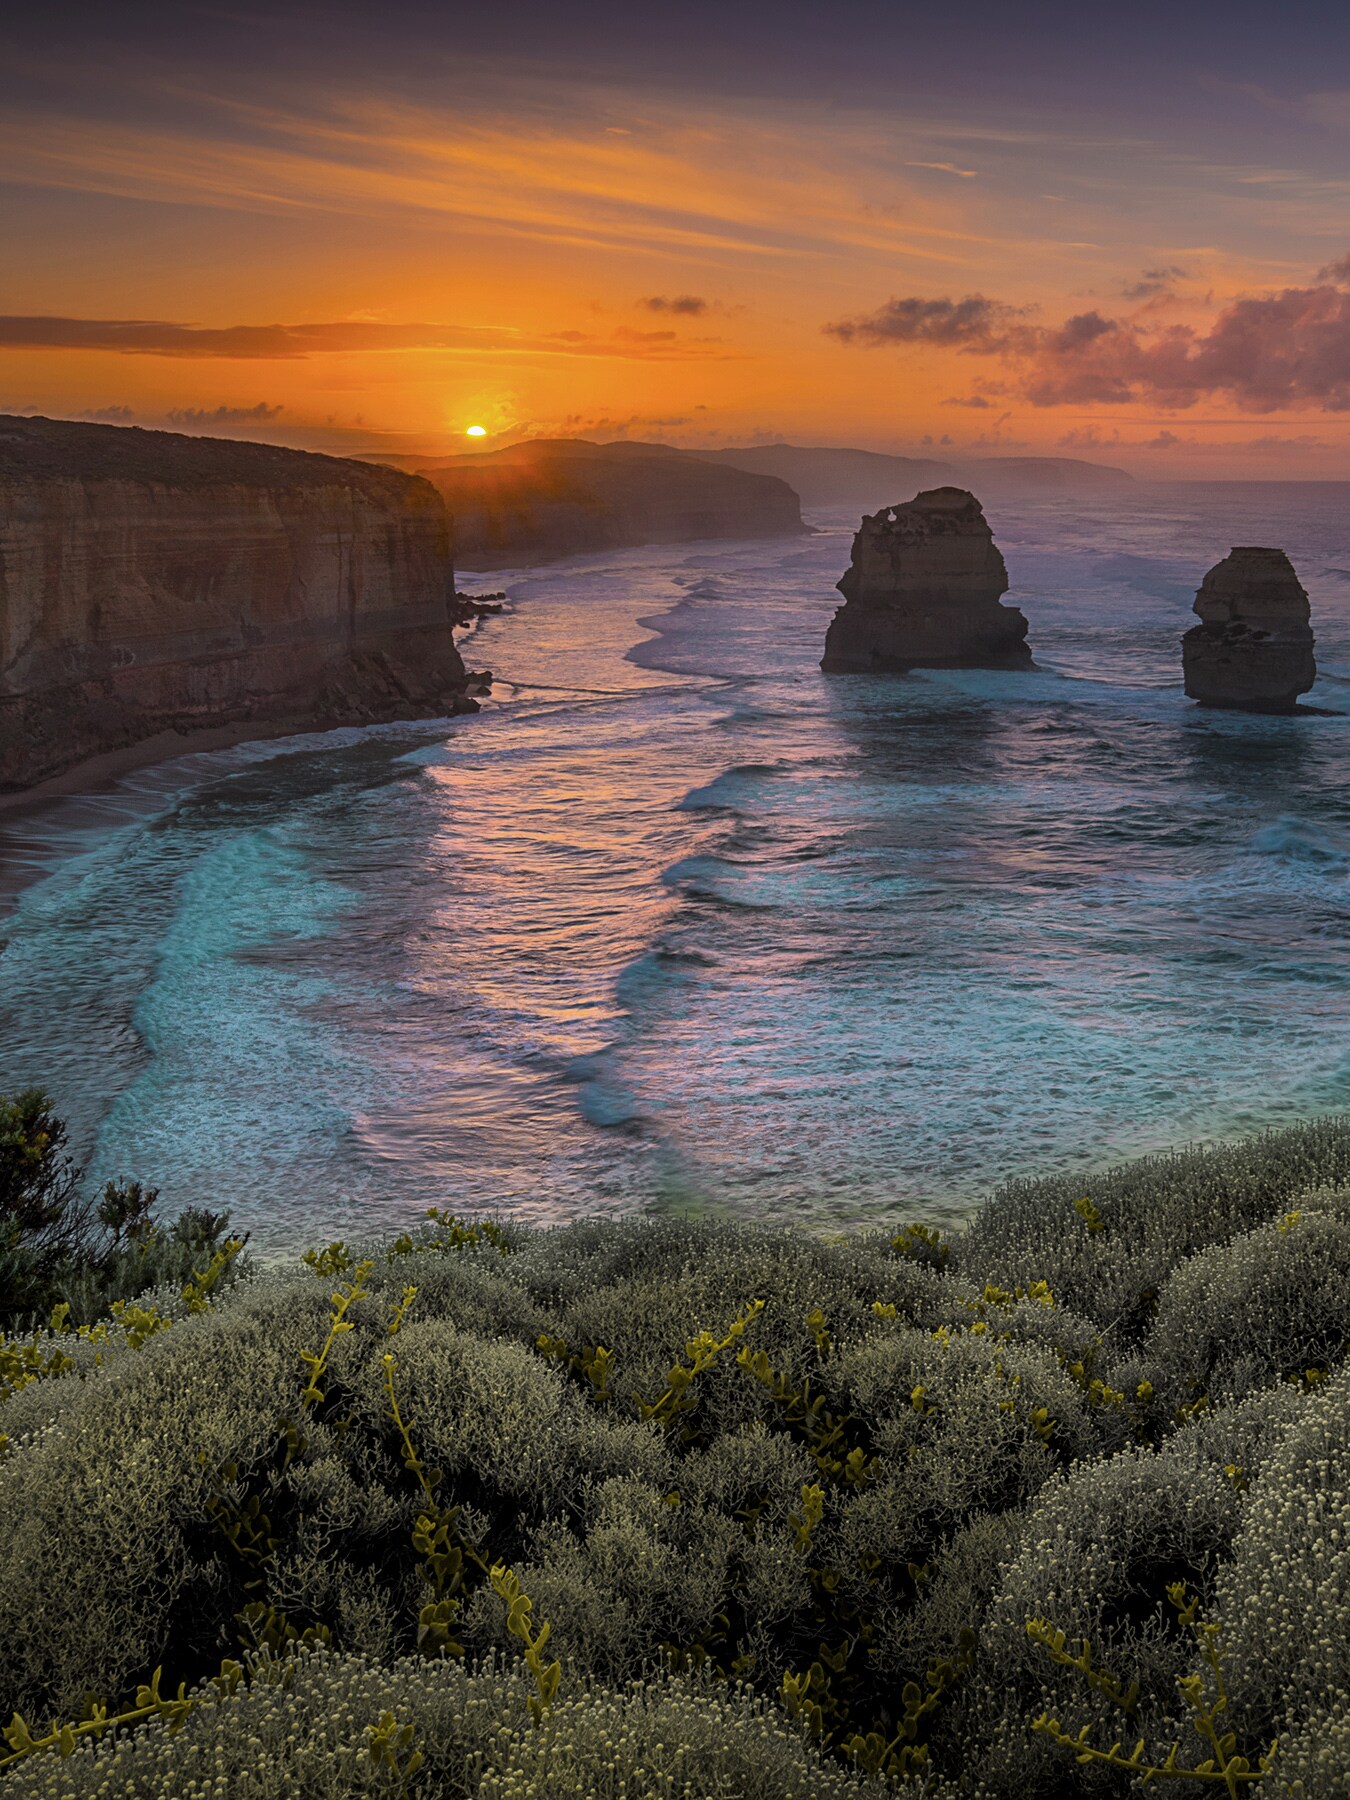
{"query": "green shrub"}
pixel 782 1506
pixel 1288 1283
pixel 58 1246
pixel 1153 1212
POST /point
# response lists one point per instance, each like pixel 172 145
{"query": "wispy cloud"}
pixel 149 337
pixel 945 168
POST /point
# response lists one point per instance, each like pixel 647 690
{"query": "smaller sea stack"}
pixel 1253 647
pixel 922 592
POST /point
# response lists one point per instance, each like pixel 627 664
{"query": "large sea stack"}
pixel 923 590
pixel 1253 648
pixel 151 582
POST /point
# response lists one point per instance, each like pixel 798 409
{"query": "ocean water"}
pixel 680 922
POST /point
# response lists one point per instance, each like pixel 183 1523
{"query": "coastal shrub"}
pixel 544 1508
pixel 307 1732
pixel 58 1246
pixel 1146 1217
pixel 1288 1283
pixel 1284 1597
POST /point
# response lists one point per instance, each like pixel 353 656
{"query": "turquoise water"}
pixel 679 921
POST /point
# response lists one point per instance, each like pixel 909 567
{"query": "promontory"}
pixel 923 591
pixel 1253 647
pixel 549 498
pixel 152 583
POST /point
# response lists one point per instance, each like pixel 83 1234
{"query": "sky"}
pixel 984 230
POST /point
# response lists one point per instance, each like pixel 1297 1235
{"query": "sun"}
pixel 476 431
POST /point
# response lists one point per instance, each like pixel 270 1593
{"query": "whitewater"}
pixel 678 922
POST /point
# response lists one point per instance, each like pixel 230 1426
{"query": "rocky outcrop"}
pixel 923 591
pixel 539 501
pixel 1253 648
pixel 153 582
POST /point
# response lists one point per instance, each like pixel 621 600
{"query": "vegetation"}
pixel 1057 1506
pixel 59 1248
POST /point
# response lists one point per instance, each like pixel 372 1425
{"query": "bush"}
pixel 58 1247
pixel 787 1508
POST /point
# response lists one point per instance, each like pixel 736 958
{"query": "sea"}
pixel 678 923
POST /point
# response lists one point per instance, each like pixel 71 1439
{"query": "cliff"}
pixel 1253 647
pixel 153 582
pixel 539 501
pixel 922 592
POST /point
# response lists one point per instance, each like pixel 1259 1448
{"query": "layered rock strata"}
pixel 923 592
pixel 1253 647
pixel 153 582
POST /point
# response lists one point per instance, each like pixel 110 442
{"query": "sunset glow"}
pixel 260 231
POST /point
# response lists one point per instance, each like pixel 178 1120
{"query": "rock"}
pixel 1253 648
pixel 923 590
pixel 152 582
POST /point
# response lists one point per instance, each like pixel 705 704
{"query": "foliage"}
pixel 677 1509
pixel 58 1247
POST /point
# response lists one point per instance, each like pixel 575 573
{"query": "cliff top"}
pixel 59 449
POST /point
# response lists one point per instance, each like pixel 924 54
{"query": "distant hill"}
pixel 862 478
pixel 555 497
pixel 868 480
pixel 1040 475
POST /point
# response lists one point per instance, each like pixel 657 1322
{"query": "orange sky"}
pixel 351 258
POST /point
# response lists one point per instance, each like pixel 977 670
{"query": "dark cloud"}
pixel 690 304
pixel 1154 282
pixel 110 415
pixel 1266 353
pixel 976 401
pixel 197 417
pixel 151 337
pixel 970 324
pixel 1285 350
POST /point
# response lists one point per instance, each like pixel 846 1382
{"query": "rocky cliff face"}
pixel 150 581
pixel 923 591
pixel 1253 648
pixel 536 502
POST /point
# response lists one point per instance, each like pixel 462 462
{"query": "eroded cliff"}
pixel 153 582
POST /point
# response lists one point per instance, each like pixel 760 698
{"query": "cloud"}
pixel 262 343
pixel 970 324
pixel 1266 352
pixel 195 418
pixel 589 425
pixel 977 401
pixel 110 415
pixel 1154 282
pixel 691 305
pixel 1284 350
pixel 945 169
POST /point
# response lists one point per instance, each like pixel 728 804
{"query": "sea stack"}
pixel 1253 648
pixel 922 592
